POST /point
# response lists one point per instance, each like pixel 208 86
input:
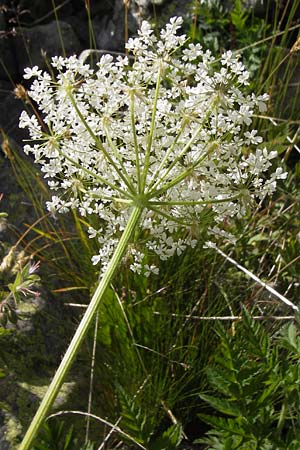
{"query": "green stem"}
pixel 185 149
pixel 100 146
pixel 135 141
pixel 118 157
pixel 194 203
pixel 150 137
pixel 93 175
pixel 160 212
pixel 81 332
pixel 179 178
pixel 165 159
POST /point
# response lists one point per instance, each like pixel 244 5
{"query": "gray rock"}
pixel 34 46
pixel 102 7
pixel 147 4
pixel 164 10
pixel 8 65
pixel 110 31
pixel 10 110
pixel 79 23
pixel 9 431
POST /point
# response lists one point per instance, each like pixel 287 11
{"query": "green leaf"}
pixel 222 405
pixel 239 15
pixel 258 238
pixel 68 444
pixel 221 423
pixel 4 332
pixel 134 420
pixel 292 335
pixel 170 439
pixel 220 379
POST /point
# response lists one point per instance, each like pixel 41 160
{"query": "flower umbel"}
pixel 166 132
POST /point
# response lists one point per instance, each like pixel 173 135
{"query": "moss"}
pixel 10 427
pixel 28 358
pixel 13 431
pixel 21 402
pixel 39 391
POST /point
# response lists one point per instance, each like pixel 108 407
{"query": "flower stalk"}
pixel 81 332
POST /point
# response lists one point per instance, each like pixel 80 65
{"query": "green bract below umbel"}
pixel 164 130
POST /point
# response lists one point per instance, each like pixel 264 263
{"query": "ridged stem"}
pixel 81 332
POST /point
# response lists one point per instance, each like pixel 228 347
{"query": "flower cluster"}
pixel 164 129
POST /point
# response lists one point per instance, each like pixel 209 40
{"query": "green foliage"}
pixel 218 28
pixel 267 46
pixel 134 420
pixel 141 426
pixel 24 282
pixel 23 285
pixel 170 439
pixel 18 285
pixel 55 436
pixel 147 360
pixel 256 393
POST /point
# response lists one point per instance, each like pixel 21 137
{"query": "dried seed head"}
pixel 21 93
pixel 8 260
pixel 296 46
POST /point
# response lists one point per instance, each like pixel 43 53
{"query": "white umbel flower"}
pixel 163 131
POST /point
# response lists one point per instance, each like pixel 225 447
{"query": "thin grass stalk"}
pixel 90 399
pixel 224 318
pixel 107 437
pixel 59 29
pixel 126 6
pixel 194 19
pixel 25 175
pixel 111 425
pixel 81 332
pixel 275 60
pixel 257 280
pixel 263 40
pixel 92 39
pixel 131 333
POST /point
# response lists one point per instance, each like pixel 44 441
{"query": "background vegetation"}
pixel 199 356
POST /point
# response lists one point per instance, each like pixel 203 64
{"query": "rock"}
pixel 163 11
pixel 102 7
pixel 147 4
pixel 10 430
pixel 8 65
pixel 110 32
pixel 10 110
pixel 4 444
pixel 29 356
pixel 79 24
pixel 5 89
pixel 37 11
pixel 42 42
